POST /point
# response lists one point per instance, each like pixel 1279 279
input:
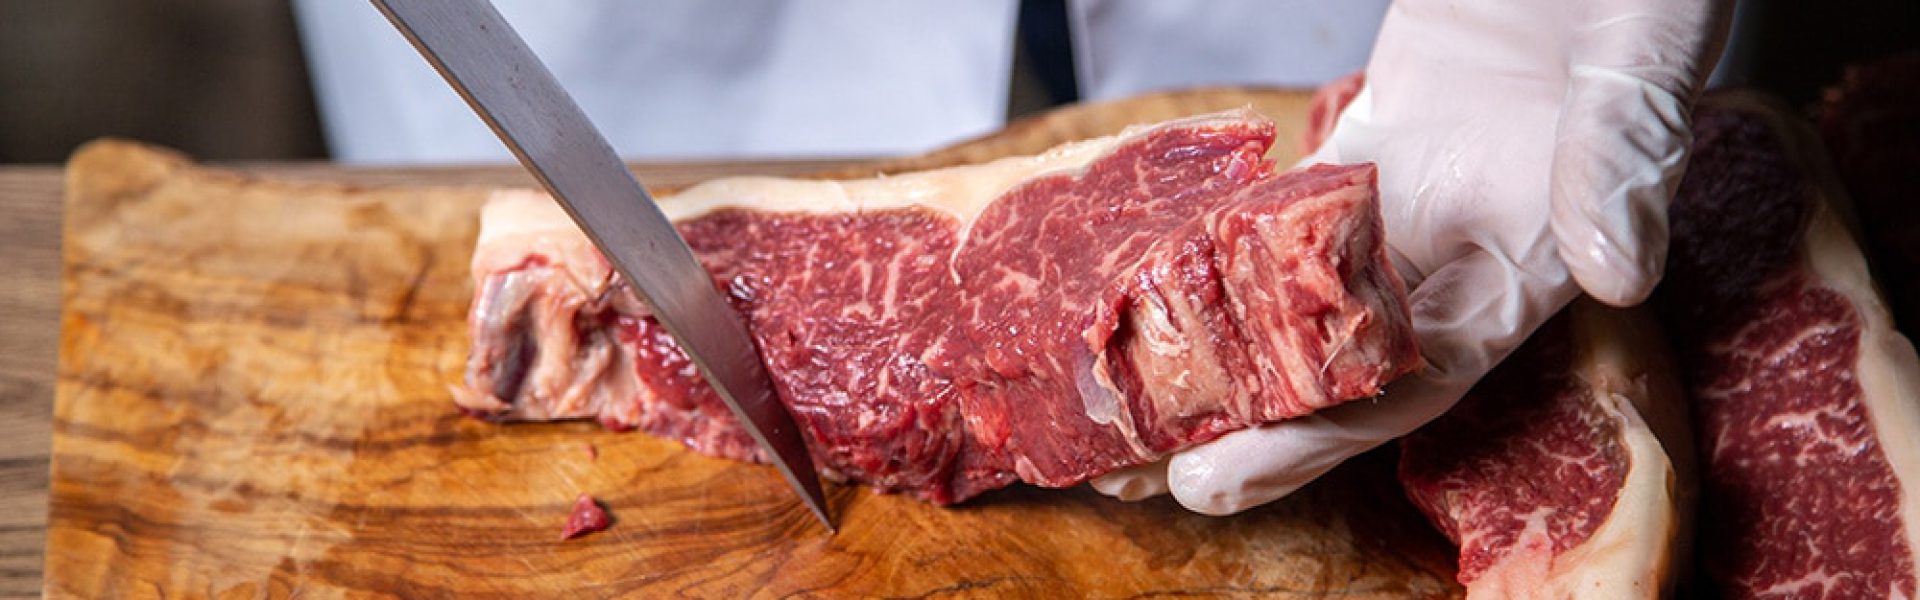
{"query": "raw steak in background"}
pixel 1870 122
pixel 1324 109
pixel 1806 400
pixel 1553 474
pixel 1046 319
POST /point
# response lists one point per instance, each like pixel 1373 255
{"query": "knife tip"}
pixel 820 512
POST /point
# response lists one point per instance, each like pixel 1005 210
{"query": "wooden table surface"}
pixel 31 199
pixel 29 337
pixel 30 223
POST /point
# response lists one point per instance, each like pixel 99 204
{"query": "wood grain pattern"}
pixel 252 402
pixel 29 330
pixel 30 200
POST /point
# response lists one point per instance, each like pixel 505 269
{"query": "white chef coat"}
pixel 762 78
pixel 1127 47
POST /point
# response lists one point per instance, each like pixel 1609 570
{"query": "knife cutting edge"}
pixel 472 46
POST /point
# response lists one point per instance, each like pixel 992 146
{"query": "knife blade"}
pixel 482 57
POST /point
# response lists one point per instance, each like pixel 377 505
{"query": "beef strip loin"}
pixel 1046 319
pixel 1554 475
pixel 1806 400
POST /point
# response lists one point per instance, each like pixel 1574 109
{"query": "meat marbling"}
pixel 1046 319
pixel 1554 473
pixel 1806 400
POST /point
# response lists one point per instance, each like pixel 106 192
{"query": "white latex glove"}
pixel 1523 146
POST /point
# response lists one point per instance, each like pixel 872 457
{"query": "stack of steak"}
pixel 1804 405
pixel 1052 318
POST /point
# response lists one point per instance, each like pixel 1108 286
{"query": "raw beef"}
pixel 1048 318
pixel 1323 110
pixel 1553 474
pixel 587 516
pixel 1806 401
pixel 1871 125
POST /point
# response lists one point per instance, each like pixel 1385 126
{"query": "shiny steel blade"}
pixel 486 61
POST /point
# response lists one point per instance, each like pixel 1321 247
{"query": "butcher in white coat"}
pixel 755 78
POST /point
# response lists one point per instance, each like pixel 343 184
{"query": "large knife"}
pixel 471 45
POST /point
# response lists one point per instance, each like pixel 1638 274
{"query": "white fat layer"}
pixel 1888 369
pixel 516 223
pixel 1634 552
pixel 1099 397
pixel 961 191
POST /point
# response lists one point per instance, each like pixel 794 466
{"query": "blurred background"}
pixel 229 79
pixel 221 79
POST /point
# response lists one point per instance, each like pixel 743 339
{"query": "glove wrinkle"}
pixel 1611 184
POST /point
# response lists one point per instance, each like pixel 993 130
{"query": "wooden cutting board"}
pixel 252 402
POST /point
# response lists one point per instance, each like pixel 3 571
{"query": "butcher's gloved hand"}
pixel 1527 151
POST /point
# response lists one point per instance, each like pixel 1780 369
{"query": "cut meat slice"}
pixel 1806 401
pixel 1553 474
pixel 946 332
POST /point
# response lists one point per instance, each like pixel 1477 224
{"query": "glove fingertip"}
pixel 1614 278
pixel 1133 484
pixel 1203 489
pixel 1618 157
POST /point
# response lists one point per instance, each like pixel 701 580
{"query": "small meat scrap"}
pixel 586 517
pixel 593 452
